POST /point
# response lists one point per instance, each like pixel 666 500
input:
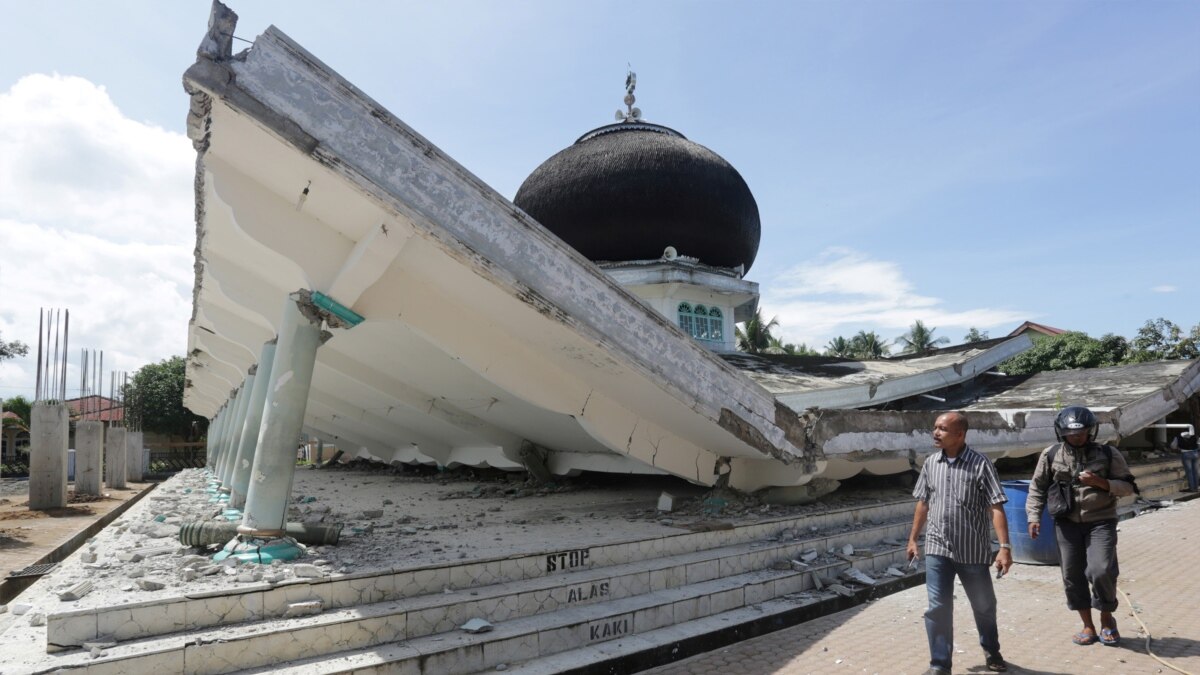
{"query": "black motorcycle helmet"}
pixel 1074 418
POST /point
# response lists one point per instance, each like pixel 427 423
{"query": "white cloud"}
pixel 96 216
pixel 1165 288
pixel 843 291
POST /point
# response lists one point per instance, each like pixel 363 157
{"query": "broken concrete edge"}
pixel 682 649
pixel 867 514
pixel 234 82
pixel 12 589
pixel 897 388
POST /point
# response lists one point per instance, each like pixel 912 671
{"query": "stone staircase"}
pixel 605 608
pixel 547 610
pixel 1158 479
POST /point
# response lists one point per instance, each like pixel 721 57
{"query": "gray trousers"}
pixel 1089 556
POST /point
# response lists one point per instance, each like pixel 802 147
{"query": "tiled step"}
pixel 680 641
pixel 258 602
pixel 378 623
pixel 572 628
pixel 1157 480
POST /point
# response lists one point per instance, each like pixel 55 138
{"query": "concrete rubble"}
pixel 423 518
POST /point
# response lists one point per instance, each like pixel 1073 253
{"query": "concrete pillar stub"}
pixel 133 460
pixel 283 417
pixel 116 460
pixel 89 457
pixel 48 456
pixel 247 446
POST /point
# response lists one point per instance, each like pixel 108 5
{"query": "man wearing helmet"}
pixel 1186 444
pixel 1097 476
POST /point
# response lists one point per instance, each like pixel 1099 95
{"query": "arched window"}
pixel 716 326
pixel 702 323
pixel 686 320
pixel 701 330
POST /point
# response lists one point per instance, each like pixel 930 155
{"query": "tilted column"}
pixel 219 442
pixel 283 416
pixel 116 459
pixel 48 456
pixel 235 434
pixel 244 460
pixel 214 432
pixel 89 457
pixel 226 432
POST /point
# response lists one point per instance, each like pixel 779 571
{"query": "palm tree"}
pixel 868 345
pixel 975 335
pixel 778 346
pixel 919 339
pixel 755 338
pixel 840 347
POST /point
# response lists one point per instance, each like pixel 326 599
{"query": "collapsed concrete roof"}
pixel 802 382
pixel 488 341
pixel 1009 417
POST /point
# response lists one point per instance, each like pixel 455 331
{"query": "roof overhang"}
pixel 482 331
pixel 1016 423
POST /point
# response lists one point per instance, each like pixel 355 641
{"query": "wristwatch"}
pixel 1008 546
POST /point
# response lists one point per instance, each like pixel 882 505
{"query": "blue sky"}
pixel 964 163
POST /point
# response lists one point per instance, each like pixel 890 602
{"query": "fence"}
pixel 167 458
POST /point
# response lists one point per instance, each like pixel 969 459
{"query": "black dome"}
pixel 626 191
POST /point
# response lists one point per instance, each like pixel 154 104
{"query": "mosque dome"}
pixel 629 190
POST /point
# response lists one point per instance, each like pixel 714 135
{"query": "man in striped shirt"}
pixel 957 493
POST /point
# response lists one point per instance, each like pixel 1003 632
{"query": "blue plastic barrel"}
pixel 1040 551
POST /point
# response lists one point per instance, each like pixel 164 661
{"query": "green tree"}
pixel 755 338
pixel 20 406
pixel 778 346
pixel 974 335
pixel 1067 352
pixel 868 345
pixel 839 347
pixel 12 349
pixel 919 339
pixel 1159 339
pixel 154 399
pixel 803 349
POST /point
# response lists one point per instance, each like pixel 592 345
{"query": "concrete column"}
pixel 223 441
pixel 210 439
pixel 235 433
pixel 217 431
pixel 253 424
pixel 226 437
pixel 116 460
pixel 283 416
pixel 48 456
pixel 89 457
pixel 1160 435
pixel 133 456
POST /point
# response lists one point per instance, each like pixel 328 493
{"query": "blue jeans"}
pixel 1188 457
pixel 939 618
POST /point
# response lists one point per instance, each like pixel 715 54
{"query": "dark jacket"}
pixel 1091 503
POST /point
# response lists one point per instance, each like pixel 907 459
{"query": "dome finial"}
pixel 630 114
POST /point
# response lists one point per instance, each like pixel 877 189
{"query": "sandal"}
pixel 1110 636
pixel 1082 638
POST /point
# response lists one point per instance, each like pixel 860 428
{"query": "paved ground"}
pixel 1160 564
pixel 26 536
